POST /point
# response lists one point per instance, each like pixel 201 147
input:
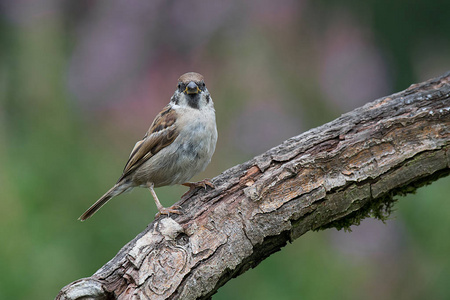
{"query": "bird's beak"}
pixel 192 88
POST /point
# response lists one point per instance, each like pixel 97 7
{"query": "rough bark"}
pixel 330 176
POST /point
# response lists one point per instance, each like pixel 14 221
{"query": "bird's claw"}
pixel 174 209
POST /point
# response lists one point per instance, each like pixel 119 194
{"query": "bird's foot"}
pixel 200 184
pixel 174 209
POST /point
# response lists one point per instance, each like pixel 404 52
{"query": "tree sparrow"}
pixel 179 144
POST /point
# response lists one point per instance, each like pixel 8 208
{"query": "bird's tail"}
pixel 116 190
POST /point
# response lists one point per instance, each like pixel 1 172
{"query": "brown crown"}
pixel 190 76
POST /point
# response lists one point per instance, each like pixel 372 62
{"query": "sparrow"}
pixel 178 145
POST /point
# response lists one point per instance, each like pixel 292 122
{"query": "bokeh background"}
pixel 80 82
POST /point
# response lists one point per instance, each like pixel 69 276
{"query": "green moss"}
pixel 381 208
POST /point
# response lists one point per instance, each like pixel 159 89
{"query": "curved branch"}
pixel 330 176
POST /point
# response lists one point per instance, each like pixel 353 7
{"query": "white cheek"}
pixel 205 102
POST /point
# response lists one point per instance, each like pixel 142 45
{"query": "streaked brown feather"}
pixel 161 133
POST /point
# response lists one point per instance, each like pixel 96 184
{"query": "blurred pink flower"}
pixel 352 68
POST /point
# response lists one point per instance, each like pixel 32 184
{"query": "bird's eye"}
pixel 203 84
pixel 179 86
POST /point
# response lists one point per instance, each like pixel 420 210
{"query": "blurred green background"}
pixel 81 81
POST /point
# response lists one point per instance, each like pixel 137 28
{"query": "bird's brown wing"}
pixel 161 134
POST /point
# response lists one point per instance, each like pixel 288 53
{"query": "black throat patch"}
pixel 193 100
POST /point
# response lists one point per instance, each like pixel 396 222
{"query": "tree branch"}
pixel 330 176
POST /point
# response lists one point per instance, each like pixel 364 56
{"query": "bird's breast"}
pixel 188 154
